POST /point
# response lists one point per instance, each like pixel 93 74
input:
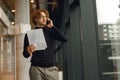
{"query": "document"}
pixel 36 37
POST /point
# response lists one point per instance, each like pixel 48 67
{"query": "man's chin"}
pixel 43 24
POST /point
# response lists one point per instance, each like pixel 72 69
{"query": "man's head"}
pixel 39 17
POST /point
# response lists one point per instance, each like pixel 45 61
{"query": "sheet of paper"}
pixel 36 37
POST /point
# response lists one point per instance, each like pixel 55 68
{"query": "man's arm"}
pixel 58 35
pixel 26 43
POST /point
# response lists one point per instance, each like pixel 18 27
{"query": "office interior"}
pixel 91 26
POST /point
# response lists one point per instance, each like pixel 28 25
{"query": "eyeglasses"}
pixel 43 16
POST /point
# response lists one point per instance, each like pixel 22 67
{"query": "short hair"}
pixel 37 14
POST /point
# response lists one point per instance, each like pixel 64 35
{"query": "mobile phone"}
pixel 47 22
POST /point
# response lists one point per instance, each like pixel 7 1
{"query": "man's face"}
pixel 42 20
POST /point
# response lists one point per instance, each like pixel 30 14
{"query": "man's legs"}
pixel 52 73
pixel 37 73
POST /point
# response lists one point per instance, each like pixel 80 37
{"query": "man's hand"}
pixel 50 24
pixel 31 49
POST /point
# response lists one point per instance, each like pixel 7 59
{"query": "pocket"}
pixel 53 68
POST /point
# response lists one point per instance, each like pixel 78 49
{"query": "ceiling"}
pixel 10 4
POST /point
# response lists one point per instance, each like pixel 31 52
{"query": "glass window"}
pixel 7 58
pixel 108 14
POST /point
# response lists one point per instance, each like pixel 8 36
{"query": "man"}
pixel 43 61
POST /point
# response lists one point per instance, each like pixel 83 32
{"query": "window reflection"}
pixel 109 38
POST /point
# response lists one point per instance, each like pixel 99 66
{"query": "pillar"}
pixel 22 17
